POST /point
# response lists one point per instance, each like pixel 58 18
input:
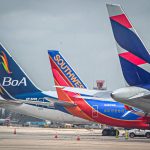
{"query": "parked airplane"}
pixel 134 60
pixel 84 105
pixel 18 93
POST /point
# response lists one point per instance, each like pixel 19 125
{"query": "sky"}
pixel 80 29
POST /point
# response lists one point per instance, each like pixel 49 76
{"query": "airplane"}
pixel 19 94
pixel 5 121
pixel 101 110
pixel 135 62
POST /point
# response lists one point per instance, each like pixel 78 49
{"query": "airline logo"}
pixel 67 71
pixel 133 55
pixel 8 81
pixel 4 62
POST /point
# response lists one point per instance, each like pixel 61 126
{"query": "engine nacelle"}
pixel 127 93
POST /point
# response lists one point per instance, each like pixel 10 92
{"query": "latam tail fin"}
pixel 134 57
pixel 12 78
pixel 63 74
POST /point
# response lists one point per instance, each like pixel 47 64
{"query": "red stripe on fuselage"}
pixel 122 19
pixel 132 58
pixel 75 111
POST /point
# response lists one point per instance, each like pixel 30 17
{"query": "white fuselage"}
pixel 44 113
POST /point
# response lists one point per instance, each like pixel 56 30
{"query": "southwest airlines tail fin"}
pixel 12 78
pixel 134 57
pixel 65 76
pixel 62 72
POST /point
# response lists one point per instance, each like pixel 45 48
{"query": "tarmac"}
pixel 31 138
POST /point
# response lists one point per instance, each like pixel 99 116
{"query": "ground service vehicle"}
pixel 139 133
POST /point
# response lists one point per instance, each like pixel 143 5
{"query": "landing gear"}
pixel 110 132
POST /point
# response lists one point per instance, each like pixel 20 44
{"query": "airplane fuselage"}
pixel 46 112
pixel 111 113
pixel 101 111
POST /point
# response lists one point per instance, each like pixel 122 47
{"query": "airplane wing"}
pixel 4 102
pixel 61 103
pixel 78 90
pixel 87 92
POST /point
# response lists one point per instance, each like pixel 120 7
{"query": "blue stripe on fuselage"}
pixel 112 109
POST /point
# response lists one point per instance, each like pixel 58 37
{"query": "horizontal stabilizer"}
pixel 19 102
pixel 61 103
pixel 86 92
pixel 5 102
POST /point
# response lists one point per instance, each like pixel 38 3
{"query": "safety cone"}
pixel 78 138
pixel 56 136
pixel 15 131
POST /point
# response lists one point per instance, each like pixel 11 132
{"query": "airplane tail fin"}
pixel 134 57
pixel 12 78
pixel 63 74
